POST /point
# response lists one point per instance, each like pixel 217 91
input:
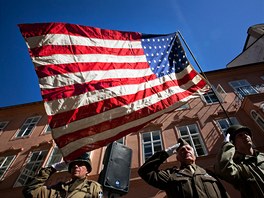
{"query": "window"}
pixel 151 143
pixel 191 134
pixel 54 157
pixel 242 88
pixel 34 162
pixel 5 163
pixel 258 119
pixel 47 129
pixel 220 93
pixel 210 97
pixel 3 125
pixel 121 140
pixel 223 124
pixel 28 126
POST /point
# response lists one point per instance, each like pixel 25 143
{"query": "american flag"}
pixel 99 85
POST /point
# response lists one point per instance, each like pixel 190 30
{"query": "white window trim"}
pixel 46 129
pixel 51 155
pixel 151 142
pixel 189 135
pixel 232 119
pixel 23 136
pixel 258 117
pixel 6 170
pixel 247 84
pixel 4 126
pixel 219 93
pixel 122 140
pixel 27 172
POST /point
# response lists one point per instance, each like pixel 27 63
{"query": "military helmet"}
pixel 83 158
pixel 235 129
pixel 182 142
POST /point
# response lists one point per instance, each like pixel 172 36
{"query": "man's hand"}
pixel 59 166
pixel 227 138
pixel 171 150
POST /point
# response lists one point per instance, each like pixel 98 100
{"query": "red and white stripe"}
pixel 97 85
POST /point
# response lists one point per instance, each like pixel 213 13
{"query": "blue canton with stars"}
pixel 164 53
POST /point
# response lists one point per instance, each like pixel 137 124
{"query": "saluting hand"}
pixel 172 150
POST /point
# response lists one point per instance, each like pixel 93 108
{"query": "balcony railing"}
pixel 241 92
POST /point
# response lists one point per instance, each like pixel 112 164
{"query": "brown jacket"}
pixel 73 189
pixel 244 172
pixel 180 182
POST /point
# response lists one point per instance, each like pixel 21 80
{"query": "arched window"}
pixel 258 119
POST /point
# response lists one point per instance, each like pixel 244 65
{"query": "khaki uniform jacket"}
pixel 73 189
pixel 244 172
pixel 180 182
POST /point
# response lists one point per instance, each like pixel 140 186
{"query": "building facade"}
pixel 26 142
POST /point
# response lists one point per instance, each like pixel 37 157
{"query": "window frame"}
pixel 53 156
pixel 209 95
pixel 121 140
pixel 27 124
pixel 4 124
pixel 226 124
pixel 258 119
pixel 189 138
pixel 151 143
pixel 242 83
pixel 2 177
pixel 31 167
pixel 47 130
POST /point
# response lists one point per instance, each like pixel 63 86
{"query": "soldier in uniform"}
pixel 78 187
pixel 189 180
pixel 241 165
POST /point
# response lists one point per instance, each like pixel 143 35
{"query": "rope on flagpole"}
pixel 198 65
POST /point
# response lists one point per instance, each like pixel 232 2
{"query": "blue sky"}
pixel 214 30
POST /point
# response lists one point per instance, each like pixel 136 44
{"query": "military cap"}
pixel 83 158
pixel 182 142
pixel 233 130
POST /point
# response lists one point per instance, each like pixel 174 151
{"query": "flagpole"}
pixel 213 89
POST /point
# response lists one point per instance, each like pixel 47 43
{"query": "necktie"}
pixel 190 167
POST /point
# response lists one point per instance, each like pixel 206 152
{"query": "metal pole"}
pixel 213 89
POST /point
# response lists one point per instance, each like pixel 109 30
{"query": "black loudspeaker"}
pixel 116 172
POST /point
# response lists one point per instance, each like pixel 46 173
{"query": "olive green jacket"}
pixel 244 172
pixel 73 189
pixel 180 182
